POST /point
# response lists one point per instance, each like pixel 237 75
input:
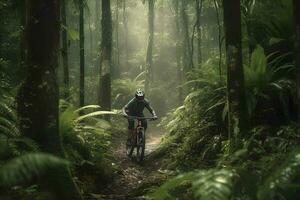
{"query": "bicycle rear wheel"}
pixel 140 149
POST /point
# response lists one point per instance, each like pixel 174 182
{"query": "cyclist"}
pixel 135 107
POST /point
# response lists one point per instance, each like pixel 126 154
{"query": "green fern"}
pixel 94 114
pixel 88 107
pixel 263 79
pixel 83 140
pixel 26 168
pixel 284 181
pixel 8 112
pixel 163 192
pixel 9 128
pixel 214 185
pixel 8 121
pixel 29 144
pixel 206 185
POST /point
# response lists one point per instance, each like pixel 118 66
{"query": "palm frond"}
pixel 26 168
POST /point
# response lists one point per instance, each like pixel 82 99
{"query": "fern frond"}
pixel 94 114
pixel 9 125
pixel 29 143
pixel 8 132
pixel 284 181
pixel 28 167
pixel 8 112
pixel 206 185
pixel 162 192
pixel 214 185
pixel 88 107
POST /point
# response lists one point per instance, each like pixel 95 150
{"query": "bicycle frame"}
pixel 139 126
pixel 138 138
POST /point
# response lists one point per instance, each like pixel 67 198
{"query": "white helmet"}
pixel 139 94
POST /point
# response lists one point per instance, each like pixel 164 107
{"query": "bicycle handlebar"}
pixel 135 117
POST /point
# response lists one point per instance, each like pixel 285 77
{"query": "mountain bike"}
pixel 138 141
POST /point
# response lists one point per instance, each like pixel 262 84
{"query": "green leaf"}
pixel 280 181
pixel 94 114
pixel 72 33
pixel 88 107
pixel 26 168
pixel 206 185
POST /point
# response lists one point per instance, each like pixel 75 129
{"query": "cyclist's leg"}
pixel 130 131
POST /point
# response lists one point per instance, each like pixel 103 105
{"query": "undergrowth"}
pixel 196 147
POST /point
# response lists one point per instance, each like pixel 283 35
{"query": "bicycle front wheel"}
pixel 140 149
pixel 129 149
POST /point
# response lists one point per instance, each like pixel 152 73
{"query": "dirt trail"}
pixel 131 177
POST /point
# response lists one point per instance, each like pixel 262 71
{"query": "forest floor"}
pixel 131 180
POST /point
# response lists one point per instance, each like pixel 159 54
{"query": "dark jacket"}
pixel 135 107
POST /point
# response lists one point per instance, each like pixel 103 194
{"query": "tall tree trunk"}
pixel 125 35
pixel 91 54
pixel 81 47
pixel 248 16
pixel 237 115
pixel 21 71
pixel 38 95
pixel 199 7
pixel 117 66
pixel 178 52
pixel 197 29
pixel 219 37
pixel 162 19
pixel 65 49
pixel 106 48
pixel 149 57
pixel 297 50
pixel 187 51
pixel 98 34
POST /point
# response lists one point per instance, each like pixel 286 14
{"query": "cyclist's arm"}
pixel 151 110
pixel 126 108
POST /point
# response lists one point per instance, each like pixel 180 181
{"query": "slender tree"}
pixel 38 95
pixel 117 66
pixel 162 19
pixel 97 34
pixel 149 56
pixel 297 49
pixel 106 49
pixel 64 51
pixel 219 36
pixel 187 51
pixel 91 36
pixel 235 76
pixel 178 51
pixel 125 35
pixel 81 47
pixel 22 11
pixel 199 31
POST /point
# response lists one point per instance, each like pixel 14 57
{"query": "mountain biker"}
pixel 135 107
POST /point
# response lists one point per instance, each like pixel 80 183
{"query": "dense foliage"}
pixel 176 50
